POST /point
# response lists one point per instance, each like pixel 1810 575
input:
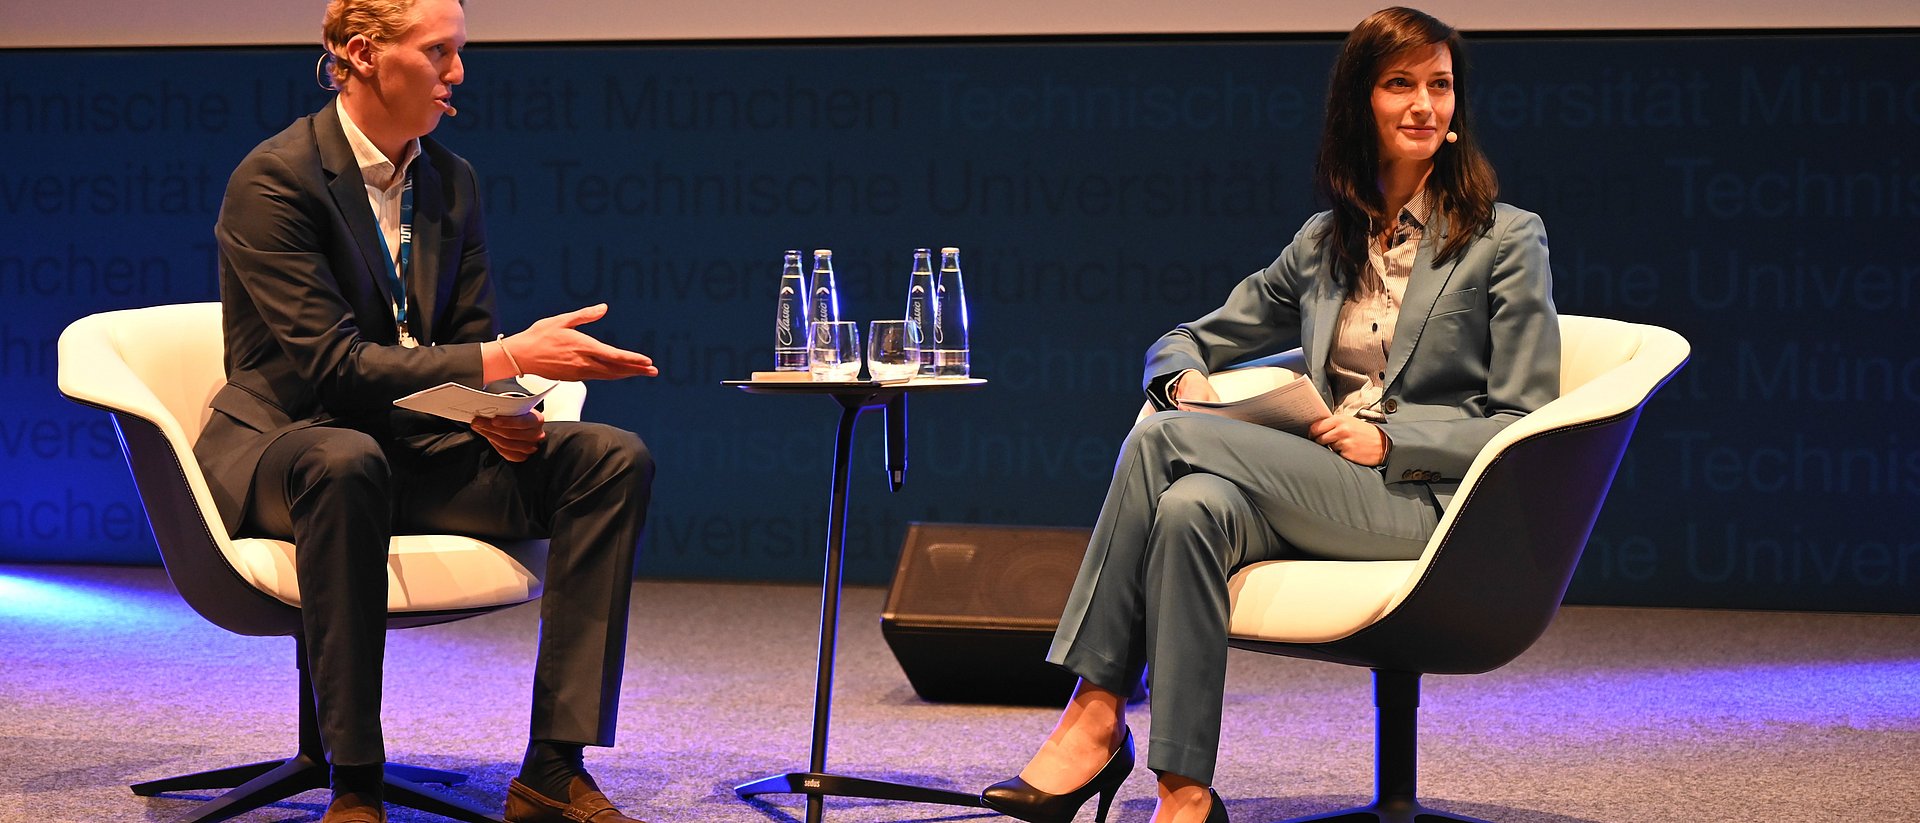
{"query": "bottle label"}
pixel 783 332
pixel 916 312
pixel 822 306
pixel 939 323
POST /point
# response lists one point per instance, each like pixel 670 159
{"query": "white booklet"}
pixel 1267 395
pixel 460 403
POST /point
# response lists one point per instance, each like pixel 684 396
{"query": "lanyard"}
pixel 396 276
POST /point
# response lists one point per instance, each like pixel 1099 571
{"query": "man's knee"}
pixel 337 455
pixel 630 455
pixel 618 451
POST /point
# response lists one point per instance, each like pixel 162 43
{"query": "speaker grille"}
pixel 1013 577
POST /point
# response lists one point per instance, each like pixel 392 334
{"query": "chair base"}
pixel 258 784
pixel 822 784
pixel 1378 812
pixel 1396 701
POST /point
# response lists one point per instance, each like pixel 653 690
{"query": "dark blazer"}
pixel 1477 344
pixel 310 337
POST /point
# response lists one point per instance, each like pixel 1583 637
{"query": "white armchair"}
pixel 154 370
pixel 1496 568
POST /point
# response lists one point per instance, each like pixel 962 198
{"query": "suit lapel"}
pixel 429 220
pixel 1424 287
pixel 349 191
pixel 1322 319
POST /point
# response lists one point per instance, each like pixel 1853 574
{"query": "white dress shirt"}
pixel 383 180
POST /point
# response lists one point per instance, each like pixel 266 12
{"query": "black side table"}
pixel 854 398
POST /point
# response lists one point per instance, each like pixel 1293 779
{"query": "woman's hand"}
pixel 515 438
pixel 1352 438
pixel 1193 386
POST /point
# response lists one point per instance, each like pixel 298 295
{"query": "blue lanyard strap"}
pixel 396 276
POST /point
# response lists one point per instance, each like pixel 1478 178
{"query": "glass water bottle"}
pixel 922 308
pixel 790 322
pixel 824 305
pixel 950 321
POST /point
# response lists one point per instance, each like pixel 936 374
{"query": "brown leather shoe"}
pixel 355 807
pixel 585 805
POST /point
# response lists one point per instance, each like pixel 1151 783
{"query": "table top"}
pixel 917 385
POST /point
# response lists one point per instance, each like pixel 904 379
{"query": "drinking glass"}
pixel 893 350
pixel 833 351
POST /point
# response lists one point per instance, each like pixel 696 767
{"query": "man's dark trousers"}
pixel 340 493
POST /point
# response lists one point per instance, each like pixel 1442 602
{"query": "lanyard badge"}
pixel 396 275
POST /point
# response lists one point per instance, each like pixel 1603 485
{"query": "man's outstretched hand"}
pixel 555 348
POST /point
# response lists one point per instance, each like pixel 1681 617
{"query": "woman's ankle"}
pixel 1095 712
pixel 1181 799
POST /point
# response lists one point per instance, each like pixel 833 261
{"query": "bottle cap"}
pixel 949 249
pixel 922 251
pixel 793 252
pixel 823 252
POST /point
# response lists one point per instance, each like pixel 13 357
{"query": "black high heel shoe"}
pixel 1218 812
pixel 1015 798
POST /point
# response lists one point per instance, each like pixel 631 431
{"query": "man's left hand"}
pixel 515 438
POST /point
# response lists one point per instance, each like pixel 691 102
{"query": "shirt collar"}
pixel 1416 212
pixel 375 168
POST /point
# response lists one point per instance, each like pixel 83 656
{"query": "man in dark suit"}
pixel 353 271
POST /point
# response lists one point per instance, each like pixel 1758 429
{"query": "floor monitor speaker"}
pixel 973 608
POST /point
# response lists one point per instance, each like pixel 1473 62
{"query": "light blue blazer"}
pixel 1477 344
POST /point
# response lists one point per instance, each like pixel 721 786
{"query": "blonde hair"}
pixel 382 21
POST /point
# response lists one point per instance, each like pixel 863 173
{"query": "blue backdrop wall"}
pixel 1757 194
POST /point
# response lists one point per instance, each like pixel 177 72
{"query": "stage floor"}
pixel 1630 715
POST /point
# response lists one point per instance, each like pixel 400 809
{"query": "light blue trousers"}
pixel 1194 497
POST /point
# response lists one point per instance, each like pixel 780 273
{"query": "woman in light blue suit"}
pixel 1425 313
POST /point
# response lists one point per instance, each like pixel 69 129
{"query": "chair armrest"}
pixel 1614 392
pixel 92 372
pixel 1225 383
pixel 1293 360
pixel 564 403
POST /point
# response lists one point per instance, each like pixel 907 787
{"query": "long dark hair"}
pixel 1462 185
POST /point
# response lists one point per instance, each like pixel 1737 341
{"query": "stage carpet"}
pixel 1627 715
